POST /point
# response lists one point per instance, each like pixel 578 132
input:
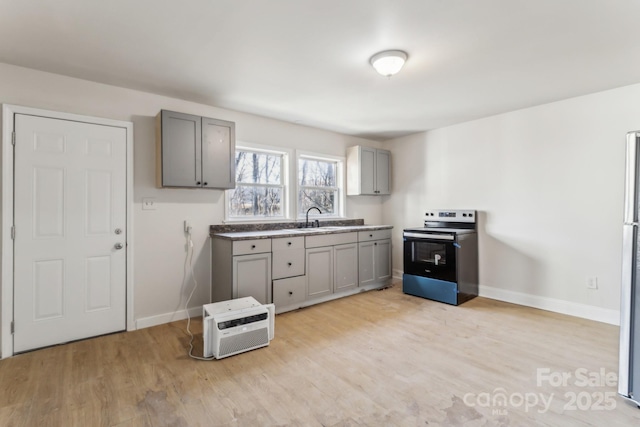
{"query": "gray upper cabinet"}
pixel 218 153
pixel 194 151
pixel 368 171
pixel 383 179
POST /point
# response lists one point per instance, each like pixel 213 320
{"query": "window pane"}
pixel 323 199
pixel 259 168
pixel 255 201
pixel 316 173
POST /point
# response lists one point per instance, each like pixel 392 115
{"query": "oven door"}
pixel 430 255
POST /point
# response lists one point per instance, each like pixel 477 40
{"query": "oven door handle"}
pixel 424 236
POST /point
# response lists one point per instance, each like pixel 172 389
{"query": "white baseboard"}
pixel 147 322
pixel 584 311
pixel 551 304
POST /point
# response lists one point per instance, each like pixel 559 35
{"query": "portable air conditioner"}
pixel 234 326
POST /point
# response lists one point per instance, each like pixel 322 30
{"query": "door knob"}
pixel 118 246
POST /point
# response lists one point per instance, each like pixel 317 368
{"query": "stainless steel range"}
pixel 441 258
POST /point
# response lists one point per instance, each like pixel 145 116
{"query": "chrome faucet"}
pixel 306 224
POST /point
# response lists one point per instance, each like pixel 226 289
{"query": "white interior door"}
pixel 70 231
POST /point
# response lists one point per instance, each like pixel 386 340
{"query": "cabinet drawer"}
pixel 288 291
pixel 284 243
pixel 331 239
pixel 288 263
pixel 367 236
pixel 256 246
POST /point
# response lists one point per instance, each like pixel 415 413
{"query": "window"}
pixel 319 185
pixel 260 185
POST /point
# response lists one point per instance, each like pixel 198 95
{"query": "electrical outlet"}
pixel 592 282
pixel 148 204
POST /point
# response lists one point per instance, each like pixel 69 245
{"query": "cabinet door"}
pixel 367 170
pixel 383 165
pixel 366 272
pixel 319 271
pixel 218 153
pixel 252 277
pixel 345 262
pixel 181 150
pixel 382 259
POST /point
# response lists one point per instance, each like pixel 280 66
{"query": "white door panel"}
pixel 70 198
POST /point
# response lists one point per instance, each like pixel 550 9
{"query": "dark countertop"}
pixel 293 232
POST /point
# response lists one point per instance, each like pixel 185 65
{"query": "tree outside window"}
pixel 259 188
pixel 317 185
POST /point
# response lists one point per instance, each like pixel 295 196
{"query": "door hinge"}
pixel 13 327
pixel 13 138
pixel 13 232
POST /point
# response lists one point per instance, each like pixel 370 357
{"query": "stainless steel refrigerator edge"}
pixel 629 370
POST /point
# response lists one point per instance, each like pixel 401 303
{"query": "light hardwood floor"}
pixel 377 358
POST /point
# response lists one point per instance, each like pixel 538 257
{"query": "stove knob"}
pixel 464 214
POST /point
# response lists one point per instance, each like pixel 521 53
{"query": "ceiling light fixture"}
pixel 388 62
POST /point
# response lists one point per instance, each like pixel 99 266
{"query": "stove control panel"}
pixel 450 215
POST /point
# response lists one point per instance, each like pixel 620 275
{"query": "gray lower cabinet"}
pixel 288 257
pixel 374 256
pixel 252 277
pixel 293 272
pixel 345 261
pixel 289 280
pixel 319 271
pixel 374 261
pixel 332 264
pixel 241 268
pixel 194 151
pixel 289 292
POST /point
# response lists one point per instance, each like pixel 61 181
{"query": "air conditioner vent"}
pixel 243 342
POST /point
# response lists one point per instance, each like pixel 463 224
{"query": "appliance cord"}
pixel 189 260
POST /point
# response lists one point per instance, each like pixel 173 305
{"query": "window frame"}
pixel 340 184
pixel 285 174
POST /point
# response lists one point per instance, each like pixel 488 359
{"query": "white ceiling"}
pixel 307 61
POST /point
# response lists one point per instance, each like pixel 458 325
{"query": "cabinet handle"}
pixel 370 235
pixel 288 243
pixel 375 244
pixel 289 264
pixel 204 183
pixel 290 293
pixel 253 246
pixel 198 183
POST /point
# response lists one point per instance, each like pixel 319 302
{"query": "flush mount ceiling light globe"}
pixel 388 62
